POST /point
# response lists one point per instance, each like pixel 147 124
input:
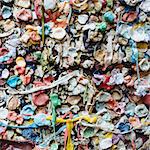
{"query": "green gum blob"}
pixel 88 132
pixel 55 100
pixel 109 17
pixel 110 3
pixel 55 103
pixel 102 26
pixel 37 55
pixel 54 146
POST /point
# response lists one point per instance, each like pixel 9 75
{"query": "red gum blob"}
pixel 146 99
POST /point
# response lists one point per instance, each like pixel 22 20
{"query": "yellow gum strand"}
pixel 86 118
pixel 69 125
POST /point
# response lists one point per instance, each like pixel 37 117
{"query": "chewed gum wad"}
pixel 75 74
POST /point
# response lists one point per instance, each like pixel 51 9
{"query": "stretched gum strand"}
pixel 87 118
